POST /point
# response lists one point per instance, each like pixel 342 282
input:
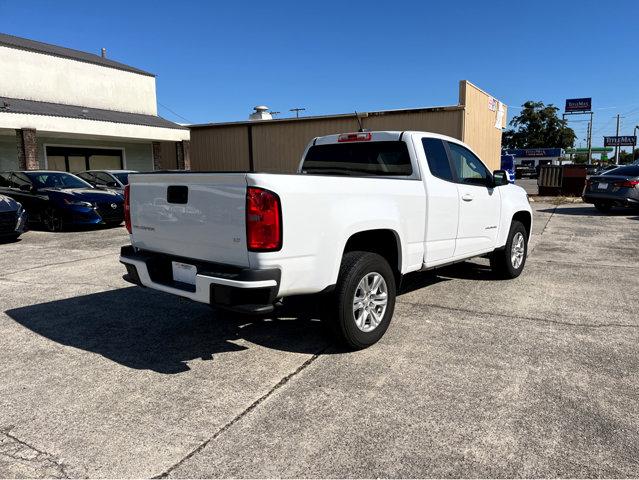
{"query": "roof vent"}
pixel 104 53
pixel 260 113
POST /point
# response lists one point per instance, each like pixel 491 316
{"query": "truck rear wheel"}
pixel 363 300
pixel 509 262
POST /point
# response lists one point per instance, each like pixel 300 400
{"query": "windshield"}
pixel 627 171
pixel 370 158
pixel 57 180
pixel 122 177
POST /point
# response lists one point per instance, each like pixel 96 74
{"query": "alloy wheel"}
pixel 52 221
pixel 370 301
pixel 517 250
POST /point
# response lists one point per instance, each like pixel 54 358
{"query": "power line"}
pixel 175 113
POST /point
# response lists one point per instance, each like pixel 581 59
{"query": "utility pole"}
pixel 297 111
pixel 590 139
pixel 617 146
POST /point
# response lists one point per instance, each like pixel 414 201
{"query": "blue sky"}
pixel 215 60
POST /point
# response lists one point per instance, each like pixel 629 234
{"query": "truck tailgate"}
pixel 192 215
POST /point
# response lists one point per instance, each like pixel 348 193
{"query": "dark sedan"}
pixel 13 219
pixel 616 187
pixel 107 179
pixel 59 199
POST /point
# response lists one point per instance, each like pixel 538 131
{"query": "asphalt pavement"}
pixel 476 377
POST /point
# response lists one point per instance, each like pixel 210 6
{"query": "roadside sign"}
pixel 620 141
pixel 578 104
pixel 534 152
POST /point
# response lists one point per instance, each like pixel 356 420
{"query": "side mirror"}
pixel 112 185
pixel 26 188
pixel 500 177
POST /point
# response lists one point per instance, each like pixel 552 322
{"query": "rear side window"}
pixel 627 171
pixel 359 158
pixel 437 158
pixel 18 180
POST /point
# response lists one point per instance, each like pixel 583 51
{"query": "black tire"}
pixel 501 261
pixel 10 238
pixel 52 220
pixel 339 310
pixel 603 207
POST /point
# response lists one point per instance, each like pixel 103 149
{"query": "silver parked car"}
pixel 616 187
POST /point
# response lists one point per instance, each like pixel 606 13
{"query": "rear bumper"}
pixel 234 288
pixel 589 197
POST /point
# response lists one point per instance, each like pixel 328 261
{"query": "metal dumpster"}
pixel 574 179
pixel 566 180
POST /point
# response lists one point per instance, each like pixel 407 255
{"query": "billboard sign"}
pixel 534 152
pixel 578 105
pixel 621 141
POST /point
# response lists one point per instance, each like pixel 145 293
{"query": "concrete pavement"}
pixel 528 184
pixel 476 377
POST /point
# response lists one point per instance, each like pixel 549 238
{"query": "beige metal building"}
pixel 277 145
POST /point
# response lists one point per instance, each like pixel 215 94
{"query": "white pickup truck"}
pixel 363 210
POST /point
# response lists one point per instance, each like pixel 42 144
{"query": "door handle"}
pixel 467 197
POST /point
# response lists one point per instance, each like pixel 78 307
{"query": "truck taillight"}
pixel 127 208
pixel 263 220
pixel 355 137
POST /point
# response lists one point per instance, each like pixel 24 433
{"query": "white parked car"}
pixel 363 210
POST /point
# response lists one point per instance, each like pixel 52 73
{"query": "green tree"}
pixel 538 126
pixel 627 157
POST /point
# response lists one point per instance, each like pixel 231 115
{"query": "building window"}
pixel 78 159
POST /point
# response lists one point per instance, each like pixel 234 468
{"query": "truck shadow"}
pixel 143 329
pixel 467 270
pixel 590 211
pixel 148 330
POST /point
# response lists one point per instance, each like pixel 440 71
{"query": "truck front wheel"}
pixel 509 262
pixel 363 300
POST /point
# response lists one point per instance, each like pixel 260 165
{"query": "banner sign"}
pixel 578 104
pixel 534 152
pixel 621 141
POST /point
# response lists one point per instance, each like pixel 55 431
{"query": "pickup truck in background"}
pixel 363 210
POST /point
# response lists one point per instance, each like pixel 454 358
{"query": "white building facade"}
pixel 63 109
